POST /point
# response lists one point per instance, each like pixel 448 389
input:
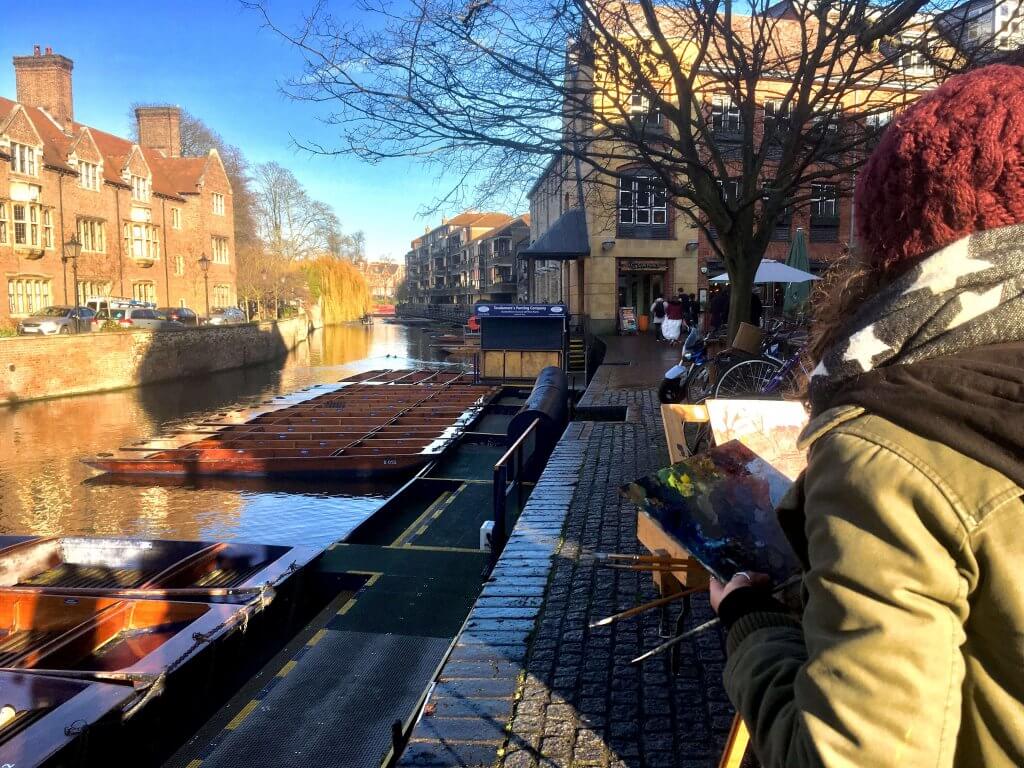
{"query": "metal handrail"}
pixel 513 458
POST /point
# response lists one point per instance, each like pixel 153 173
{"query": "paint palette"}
pixel 720 506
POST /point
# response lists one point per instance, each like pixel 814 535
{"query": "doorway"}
pixel 639 290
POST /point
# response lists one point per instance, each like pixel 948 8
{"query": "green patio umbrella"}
pixel 797 294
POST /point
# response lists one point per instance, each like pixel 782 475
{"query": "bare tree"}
pixel 733 112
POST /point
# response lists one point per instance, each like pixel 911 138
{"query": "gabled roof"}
pixel 172 177
pixel 476 219
pixel 496 231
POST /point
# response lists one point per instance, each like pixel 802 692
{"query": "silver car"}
pixel 54 320
pixel 139 318
pixel 226 316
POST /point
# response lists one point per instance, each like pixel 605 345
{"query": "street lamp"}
pixel 72 250
pixel 204 265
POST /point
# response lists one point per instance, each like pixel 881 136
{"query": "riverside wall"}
pixel 33 368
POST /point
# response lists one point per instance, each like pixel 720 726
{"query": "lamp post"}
pixel 72 250
pixel 204 265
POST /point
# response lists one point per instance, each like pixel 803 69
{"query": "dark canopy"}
pixel 566 239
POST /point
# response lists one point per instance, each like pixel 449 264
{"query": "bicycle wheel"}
pixel 699 385
pixel 697 435
pixel 746 378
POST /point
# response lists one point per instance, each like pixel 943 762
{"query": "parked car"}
pixel 183 315
pixel 226 316
pixel 58 320
pixel 98 303
pixel 138 318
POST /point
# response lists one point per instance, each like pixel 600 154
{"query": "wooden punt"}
pixel 43 718
pixel 376 424
pixel 213 571
pixel 104 638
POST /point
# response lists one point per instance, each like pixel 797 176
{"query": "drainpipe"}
pixel 119 235
pixel 60 196
pixel 167 256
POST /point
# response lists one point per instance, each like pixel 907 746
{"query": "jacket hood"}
pixel 971 401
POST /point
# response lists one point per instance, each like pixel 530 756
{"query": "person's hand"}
pixel 742 580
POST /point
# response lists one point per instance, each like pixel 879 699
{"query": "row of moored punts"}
pixel 92 631
pixel 380 423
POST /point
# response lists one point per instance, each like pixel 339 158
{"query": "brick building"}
pixel 143 214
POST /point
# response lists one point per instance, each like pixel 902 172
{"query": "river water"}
pixel 45 488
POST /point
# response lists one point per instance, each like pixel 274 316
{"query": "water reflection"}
pixel 45 489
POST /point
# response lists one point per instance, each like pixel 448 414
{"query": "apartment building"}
pixel 471 257
pixel 143 215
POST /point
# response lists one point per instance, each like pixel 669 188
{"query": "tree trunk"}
pixel 741 287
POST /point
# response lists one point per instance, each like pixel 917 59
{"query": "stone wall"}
pixel 33 368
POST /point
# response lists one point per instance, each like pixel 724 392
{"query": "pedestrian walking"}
pixel 908 516
pixel 671 328
pixel 694 317
pixel 658 317
pixel 756 308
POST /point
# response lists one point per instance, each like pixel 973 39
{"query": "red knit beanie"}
pixel 951 165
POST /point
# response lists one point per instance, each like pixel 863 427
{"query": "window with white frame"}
pixel 222 295
pixel 219 250
pixel 776 113
pixel 47 228
pixel 179 265
pixel 142 241
pixel 643 207
pixel 218 204
pixel 144 291
pixel 725 115
pixel 92 235
pixel 914 61
pixel 640 110
pixel 878 120
pixel 731 189
pixel 88 175
pixel 23 159
pixel 90 288
pixel 26 295
pixel 824 201
pixel 175 218
pixel 140 188
pixel 3 223
pixel 26 218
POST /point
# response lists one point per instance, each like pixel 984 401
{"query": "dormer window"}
pixel 914 60
pixel 140 188
pixel 88 175
pixel 23 159
pixel 218 204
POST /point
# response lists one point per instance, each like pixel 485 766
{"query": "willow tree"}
pixel 340 288
pixel 736 111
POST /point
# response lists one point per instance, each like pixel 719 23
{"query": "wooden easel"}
pixel 653 537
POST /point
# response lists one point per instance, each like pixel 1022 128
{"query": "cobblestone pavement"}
pixel 529 684
pixel 582 703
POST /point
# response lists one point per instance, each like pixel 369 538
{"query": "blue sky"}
pixel 212 58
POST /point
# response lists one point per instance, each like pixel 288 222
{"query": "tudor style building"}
pixel 143 214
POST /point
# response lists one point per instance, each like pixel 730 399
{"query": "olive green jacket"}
pixel 911 647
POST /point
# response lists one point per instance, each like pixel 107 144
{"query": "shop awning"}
pixel 567 239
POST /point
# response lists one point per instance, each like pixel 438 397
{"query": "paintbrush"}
pixel 706 625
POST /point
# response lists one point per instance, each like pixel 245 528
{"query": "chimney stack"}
pixel 44 81
pixel 160 129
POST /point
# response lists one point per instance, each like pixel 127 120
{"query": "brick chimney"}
pixel 44 81
pixel 160 128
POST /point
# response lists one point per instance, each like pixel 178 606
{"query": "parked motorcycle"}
pixel 689 380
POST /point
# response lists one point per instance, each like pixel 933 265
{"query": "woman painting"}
pixel 909 649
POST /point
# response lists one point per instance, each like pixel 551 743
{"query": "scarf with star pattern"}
pixel 966 295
